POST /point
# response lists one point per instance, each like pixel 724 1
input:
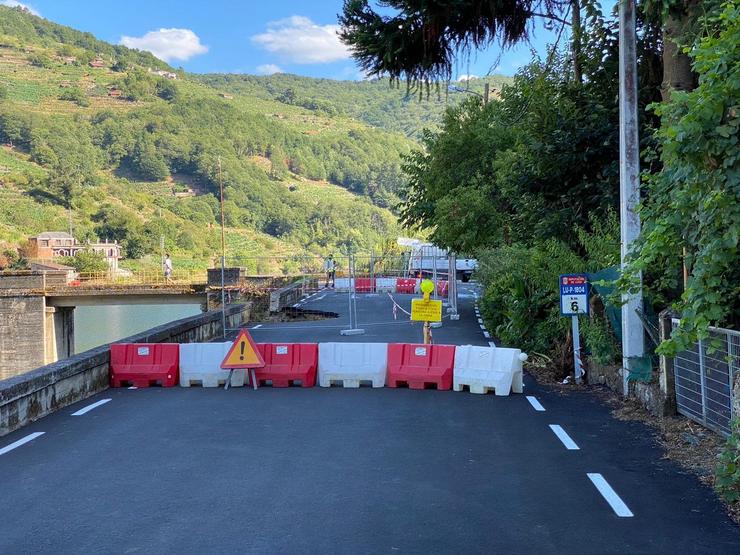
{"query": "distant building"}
pixel 55 244
pixel 97 62
pixel 69 60
pixel 115 93
pixel 65 84
pixel 165 74
pixel 227 96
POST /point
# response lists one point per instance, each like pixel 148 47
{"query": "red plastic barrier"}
pixel 144 364
pixel 442 288
pixel 365 285
pixel 405 285
pixel 287 363
pixel 420 365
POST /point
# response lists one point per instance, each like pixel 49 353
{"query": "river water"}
pixel 96 325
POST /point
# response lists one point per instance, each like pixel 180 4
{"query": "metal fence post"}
pixel 703 380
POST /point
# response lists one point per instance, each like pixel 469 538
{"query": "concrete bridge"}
pixel 37 312
pixel 37 308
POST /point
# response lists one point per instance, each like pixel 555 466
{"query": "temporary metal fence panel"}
pixel 704 377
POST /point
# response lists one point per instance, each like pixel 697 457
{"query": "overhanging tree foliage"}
pixel 421 40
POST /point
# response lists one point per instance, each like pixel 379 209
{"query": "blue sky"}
pixel 249 36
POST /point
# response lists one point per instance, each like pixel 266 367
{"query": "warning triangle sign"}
pixel 243 353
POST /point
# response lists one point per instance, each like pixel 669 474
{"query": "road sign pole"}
pixel 577 349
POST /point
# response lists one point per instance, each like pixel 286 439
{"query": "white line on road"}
pixel 616 503
pixel 321 297
pixel 486 334
pixel 565 438
pixel 258 326
pixel 480 320
pixel 88 408
pixel 535 403
pixel 491 344
pixel 133 387
pixel 21 441
pixel 482 327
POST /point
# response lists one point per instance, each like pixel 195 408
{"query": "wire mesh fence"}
pixel 704 377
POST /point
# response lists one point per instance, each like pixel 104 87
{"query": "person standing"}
pixel 167 266
pixel 330 268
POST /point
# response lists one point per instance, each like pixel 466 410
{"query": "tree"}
pixel 167 90
pixel 147 160
pixel 86 262
pixel 421 40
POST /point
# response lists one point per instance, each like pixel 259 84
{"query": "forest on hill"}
pixel 130 151
pixel 377 102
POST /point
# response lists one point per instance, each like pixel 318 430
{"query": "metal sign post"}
pixel 574 292
pixel 353 329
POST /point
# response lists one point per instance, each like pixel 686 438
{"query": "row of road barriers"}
pixel 386 285
pixel 479 369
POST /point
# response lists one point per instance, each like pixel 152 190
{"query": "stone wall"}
pixel 22 332
pixel 33 395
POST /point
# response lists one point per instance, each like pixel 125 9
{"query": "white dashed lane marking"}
pixel 607 492
pixel 258 326
pixel 88 408
pixel 21 441
pixel 535 403
pixel 486 334
pixel 570 445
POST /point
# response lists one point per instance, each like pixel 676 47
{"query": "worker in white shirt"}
pixel 330 268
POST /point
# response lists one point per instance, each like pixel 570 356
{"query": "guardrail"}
pixel 143 277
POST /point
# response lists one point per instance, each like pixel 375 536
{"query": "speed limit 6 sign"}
pixel 573 294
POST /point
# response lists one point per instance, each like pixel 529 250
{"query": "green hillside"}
pixel 376 102
pixel 134 156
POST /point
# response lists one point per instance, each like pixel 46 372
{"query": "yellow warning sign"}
pixel 243 353
pixel 426 310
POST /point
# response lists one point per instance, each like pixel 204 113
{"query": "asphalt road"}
pixel 349 471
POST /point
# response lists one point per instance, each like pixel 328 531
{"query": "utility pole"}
pixel 223 250
pixel 486 92
pixel 629 182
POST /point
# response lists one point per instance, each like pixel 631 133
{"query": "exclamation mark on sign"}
pixel 241 347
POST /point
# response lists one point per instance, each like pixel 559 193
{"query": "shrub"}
pixel 41 60
pixel 727 472
pixel 75 95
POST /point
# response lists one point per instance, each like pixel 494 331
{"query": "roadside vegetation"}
pixel 529 183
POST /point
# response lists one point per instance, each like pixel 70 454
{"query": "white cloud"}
pixel 16 4
pixel 467 77
pixel 168 44
pixel 299 40
pixel 268 69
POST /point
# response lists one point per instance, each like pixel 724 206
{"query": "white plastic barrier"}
pixel 352 363
pixel 484 369
pixel 343 284
pixel 201 362
pixel 385 284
